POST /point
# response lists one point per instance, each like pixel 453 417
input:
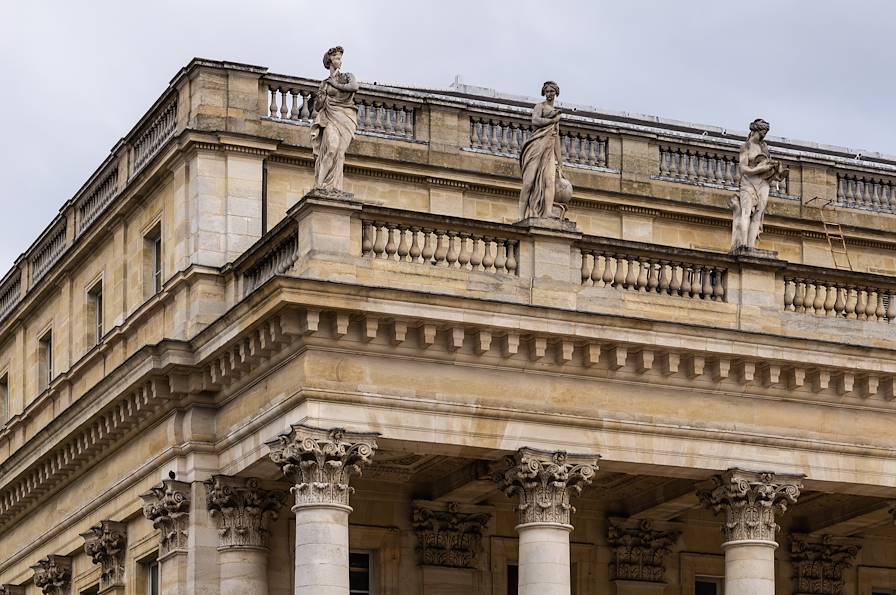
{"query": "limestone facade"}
pixel 430 383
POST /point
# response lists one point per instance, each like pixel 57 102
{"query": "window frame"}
pixel 4 396
pixel 96 299
pixel 45 359
pixel 371 571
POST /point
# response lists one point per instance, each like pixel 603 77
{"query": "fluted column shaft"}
pixel 543 482
pixel 321 463
pixel 751 502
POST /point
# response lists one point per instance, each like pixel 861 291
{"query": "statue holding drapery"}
pixel 545 190
pixel 335 122
pixel 757 170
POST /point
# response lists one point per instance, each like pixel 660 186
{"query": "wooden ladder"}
pixel 834 233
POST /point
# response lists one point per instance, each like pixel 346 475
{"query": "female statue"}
pixel 757 170
pixel 540 161
pixel 335 122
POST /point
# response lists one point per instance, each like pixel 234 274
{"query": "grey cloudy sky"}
pixel 77 74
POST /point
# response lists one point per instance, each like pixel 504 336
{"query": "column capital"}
pixel 639 550
pixel 544 482
pixel 449 534
pixel 819 562
pixel 53 575
pixel 242 511
pixel 106 543
pixel 752 502
pixel 167 505
pixel 321 463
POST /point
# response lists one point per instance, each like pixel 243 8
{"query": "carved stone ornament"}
pixel 242 511
pixel 639 550
pixel 544 482
pixel 448 537
pixel 12 590
pixel 819 562
pixel 106 544
pixel 322 462
pixel 53 575
pixel 751 502
pixel 168 507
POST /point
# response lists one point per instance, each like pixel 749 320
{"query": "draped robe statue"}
pixel 545 191
pixel 334 123
pixel 757 171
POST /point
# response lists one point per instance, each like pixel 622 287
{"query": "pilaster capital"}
pixel 12 590
pixel 53 575
pixel 106 543
pixel 544 482
pixel 639 549
pixel 819 562
pixel 242 511
pixel 321 463
pixel 167 505
pixel 752 501
pixel 449 534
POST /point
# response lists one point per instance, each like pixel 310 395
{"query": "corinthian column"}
pixel 751 502
pixel 243 513
pixel 105 544
pixel 321 464
pixel 543 483
pixel 168 507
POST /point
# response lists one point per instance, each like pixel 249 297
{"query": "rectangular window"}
pixel 95 311
pixel 513 579
pixel 4 398
pixel 152 261
pixel 359 573
pixel 45 361
pixel 152 578
pixel 704 585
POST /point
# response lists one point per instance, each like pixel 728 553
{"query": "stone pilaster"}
pixel 447 535
pixel 752 503
pixel 639 550
pixel 819 562
pixel 242 511
pixel 12 590
pixel 53 575
pixel 167 505
pixel 320 464
pixel 106 544
pixel 543 483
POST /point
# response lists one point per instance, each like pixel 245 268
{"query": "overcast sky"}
pixel 76 74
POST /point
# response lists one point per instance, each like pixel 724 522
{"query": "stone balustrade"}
pixel 861 192
pixel 48 250
pixel 101 194
pixel 155 133
pixel 506 138
pixel 10 293
pixel 268 258
pixel 843 299
pixel 608 267
pixel 290 102
pixel 701 167
pixel 452 248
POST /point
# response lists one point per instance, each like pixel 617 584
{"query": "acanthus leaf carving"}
pixel 106 544
pixel 53 575
pixel 321 463
pixel 446 536
pixel 544 483
pixel 639 550
pixel 242 511
pixel 819 562
pixel 167 505
pixel 752 502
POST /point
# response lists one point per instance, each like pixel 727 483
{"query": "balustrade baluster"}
pixel 404 248
pixel 676 279
pixel 652 276
pixel 415 251
pixel 488 259
pixel 641 266
pixel 601 264
pixel 789 294
pixel 706 288
pixel 664 277
pixel 619 277
pixel 379 246
pixel 871 305
pixel 367 239
pixel 463 258
pixel 294 113
pixel 809 297
pixel 442 248
pixel 305 112
pixel 830 300
pixel 852 299
pixel 284 106
pixel 514 142
pixel 696 286
pixel 272 109
pixel 861 303
pixel 820 298
pixel 588 263
pixel 500 255
pixel 409 122
pixel 391 245
pixel 429 248
pixel 511 256
pixel 453 251
pixel 891 305
pixel 881 310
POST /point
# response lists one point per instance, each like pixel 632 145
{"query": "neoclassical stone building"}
pixel 214 381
